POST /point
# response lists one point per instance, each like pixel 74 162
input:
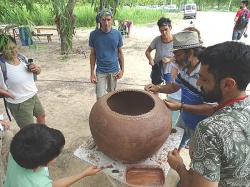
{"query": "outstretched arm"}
pixel 67 181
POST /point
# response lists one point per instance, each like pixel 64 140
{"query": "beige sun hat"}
pixel 185 40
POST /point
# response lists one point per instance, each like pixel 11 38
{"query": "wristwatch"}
pixel 181 109
pixel 159 88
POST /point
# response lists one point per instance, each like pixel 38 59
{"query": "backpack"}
pixel 157 73
pixel 5 77
pixel 242 20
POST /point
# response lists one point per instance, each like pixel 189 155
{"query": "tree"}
pixel 65 20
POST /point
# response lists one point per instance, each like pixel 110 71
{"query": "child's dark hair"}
pixel 164 22
pixel 5 40
pixel 36 145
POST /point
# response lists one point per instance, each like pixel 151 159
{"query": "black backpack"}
pixel 242 20
pixel 157 73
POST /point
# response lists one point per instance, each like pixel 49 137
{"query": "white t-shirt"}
pixel 20 83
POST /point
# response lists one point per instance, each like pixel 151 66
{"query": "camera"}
pixel 30 61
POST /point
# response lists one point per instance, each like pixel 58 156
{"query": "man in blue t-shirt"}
pixel 106 53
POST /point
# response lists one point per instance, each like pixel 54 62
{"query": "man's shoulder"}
pixel 95 31
pixel 115 31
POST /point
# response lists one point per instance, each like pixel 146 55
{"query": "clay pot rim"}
pixel 151 95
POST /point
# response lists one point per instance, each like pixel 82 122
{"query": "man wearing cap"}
pixel 186 48
pixel 222 141
pixel 106 53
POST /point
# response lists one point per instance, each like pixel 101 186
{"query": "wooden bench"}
pixel 48 35
pixel 38 29
pixel 44 34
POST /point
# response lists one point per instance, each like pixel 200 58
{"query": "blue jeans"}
pixel 188 135
pixel 237 34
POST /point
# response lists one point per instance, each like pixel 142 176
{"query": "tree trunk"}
pixel 66 27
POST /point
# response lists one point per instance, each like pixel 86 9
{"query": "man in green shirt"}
pixel 222 142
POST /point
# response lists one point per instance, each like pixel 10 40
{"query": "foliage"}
pixel 13 11
pixel 85 15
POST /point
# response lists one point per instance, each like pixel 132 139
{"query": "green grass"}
pixel 85 16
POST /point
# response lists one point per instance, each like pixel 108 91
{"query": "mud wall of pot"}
pixel 130 125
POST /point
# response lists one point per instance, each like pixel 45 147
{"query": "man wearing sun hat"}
pixel 106 54
pixel 186 48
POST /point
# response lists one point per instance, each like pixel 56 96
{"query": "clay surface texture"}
pixel 129 125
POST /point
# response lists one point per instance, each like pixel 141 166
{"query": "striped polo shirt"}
pixel 191 95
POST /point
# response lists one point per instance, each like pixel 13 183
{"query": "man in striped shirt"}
pixel 186 48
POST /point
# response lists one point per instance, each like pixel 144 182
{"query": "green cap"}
pixel 105 12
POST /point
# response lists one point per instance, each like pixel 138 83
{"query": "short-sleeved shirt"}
pixel 106 49
pixel 222 149
pixel 20 177
pixel 191 94
pixel 240 12
pixel 161 51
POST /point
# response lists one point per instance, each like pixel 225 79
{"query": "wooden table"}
pixel 96 157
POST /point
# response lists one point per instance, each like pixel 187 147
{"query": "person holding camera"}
pixel 18 85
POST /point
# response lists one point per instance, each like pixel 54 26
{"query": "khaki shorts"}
pixel 24 112
pixel 106 82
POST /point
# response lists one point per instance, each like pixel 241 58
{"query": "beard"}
pixel 183 63
pixel 214 95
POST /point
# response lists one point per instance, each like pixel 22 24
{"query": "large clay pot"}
pixel 129 125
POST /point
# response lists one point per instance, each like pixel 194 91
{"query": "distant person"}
pixel 222 153
pixel 97 20
pixel 241 21
pixel 123 28
pixel 161 44
pixel 33 149
pixel 126 26
pixel 18 84
pixel 106 54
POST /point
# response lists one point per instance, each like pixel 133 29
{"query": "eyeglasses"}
pixel 177 55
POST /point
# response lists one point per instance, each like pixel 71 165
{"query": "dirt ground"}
pixel 67 94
